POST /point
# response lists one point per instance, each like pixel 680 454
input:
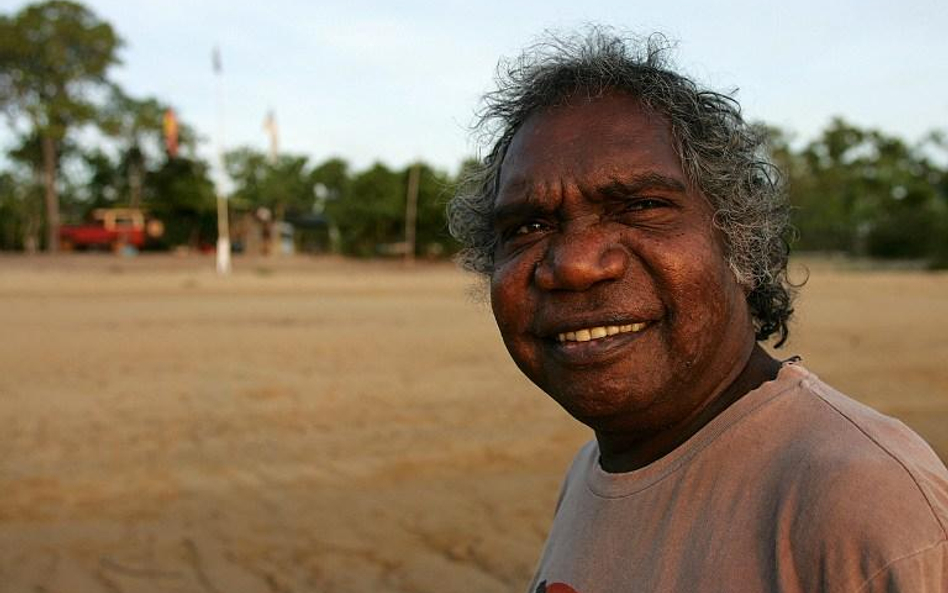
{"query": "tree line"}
pixel 867 193
pixel 80 142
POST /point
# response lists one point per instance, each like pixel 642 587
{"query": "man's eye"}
pixel 643 204
pixel 527 229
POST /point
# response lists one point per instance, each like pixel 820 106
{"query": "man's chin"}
pixel 612 408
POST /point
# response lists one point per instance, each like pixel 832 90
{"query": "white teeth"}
pixel 601 331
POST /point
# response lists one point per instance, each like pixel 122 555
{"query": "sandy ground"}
pixel 320 425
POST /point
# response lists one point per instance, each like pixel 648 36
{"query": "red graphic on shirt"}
pixel 554 588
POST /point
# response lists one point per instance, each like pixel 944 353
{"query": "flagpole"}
pixel 411 212
pixel 223 226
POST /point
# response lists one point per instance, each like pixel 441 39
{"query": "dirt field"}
pixel 319 425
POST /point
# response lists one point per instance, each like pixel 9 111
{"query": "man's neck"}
pixel 626 454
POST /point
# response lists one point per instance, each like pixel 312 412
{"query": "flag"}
pixel 169 124
pixel 216 60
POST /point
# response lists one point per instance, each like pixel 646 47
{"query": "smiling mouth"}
pixel 599 332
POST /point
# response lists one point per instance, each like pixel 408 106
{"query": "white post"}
pixel 223 226
pixel 223 236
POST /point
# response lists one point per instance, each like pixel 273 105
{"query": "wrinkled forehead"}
pixel 613 136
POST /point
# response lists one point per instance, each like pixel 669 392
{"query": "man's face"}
pixel 610 285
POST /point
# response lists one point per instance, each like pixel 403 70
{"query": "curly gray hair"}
pixel 720 153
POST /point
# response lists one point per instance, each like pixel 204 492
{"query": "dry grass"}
pixel 326 425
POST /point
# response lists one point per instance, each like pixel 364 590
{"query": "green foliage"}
pixel 181 194
pixel 865 193
pixel 13 214
pixel 331 180
pixel 368 209
pixel 284 185
pixel 104 179
pixel 137 125
pixel 135 122
pixel 938 259
pixel 371 213
pixel 53 57
pixel 434 190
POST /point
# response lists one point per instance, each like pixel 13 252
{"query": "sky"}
pixel 370 81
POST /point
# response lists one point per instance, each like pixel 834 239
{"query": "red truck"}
pixel 112 228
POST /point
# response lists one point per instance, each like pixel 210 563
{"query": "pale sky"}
pixel 394 81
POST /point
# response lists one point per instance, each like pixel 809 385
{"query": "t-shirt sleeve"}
pixel 925 571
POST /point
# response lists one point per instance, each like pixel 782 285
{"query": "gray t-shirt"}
pixel 794 488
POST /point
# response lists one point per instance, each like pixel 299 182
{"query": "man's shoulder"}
pixel 798 436
pixel 806 486
pixel 860 477
pixel 850 445
pixel 850 495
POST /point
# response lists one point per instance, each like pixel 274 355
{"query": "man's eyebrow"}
pixel 623 187
pixel 616 188
pixel 515 211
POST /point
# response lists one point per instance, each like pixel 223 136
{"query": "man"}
pixel 632 233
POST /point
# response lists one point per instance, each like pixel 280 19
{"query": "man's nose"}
pixel 581 258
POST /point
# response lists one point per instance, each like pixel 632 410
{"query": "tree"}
pixel 182 195
pixel 936 143
pixel 331 183
pixel 138 125
pixel 17 221
pixel 372 212
pixel 284 185
pixel 862 191
pixel 331 179
pixel 54 57
pixel 434 190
